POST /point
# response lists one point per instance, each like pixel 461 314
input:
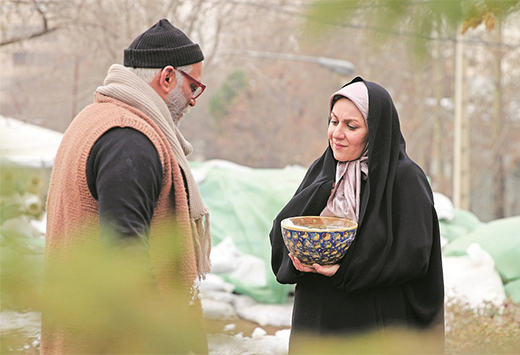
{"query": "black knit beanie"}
pixel 162 45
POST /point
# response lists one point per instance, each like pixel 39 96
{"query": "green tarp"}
pixel 513 289
pixel 462 223
pixel 501 239
pixel 243 203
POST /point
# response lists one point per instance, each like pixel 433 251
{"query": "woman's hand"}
pixel 326 270
pixel 299 266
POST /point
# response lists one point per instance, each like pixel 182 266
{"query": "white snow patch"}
pixel 473 278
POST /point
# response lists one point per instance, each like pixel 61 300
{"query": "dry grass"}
pixel 491 330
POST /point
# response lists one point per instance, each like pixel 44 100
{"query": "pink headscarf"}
pixel 345 197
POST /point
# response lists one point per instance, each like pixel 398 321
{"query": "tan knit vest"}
pixel 72 212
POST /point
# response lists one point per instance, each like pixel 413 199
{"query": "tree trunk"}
pixel 498 180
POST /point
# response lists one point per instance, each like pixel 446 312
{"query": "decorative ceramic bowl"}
pixel 320 240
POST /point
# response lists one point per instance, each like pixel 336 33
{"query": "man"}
pixel 121 181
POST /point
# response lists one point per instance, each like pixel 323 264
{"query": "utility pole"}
pixel 498 170
pixel 461 154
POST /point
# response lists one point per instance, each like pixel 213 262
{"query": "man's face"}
pixel 180 99
pixel 177 103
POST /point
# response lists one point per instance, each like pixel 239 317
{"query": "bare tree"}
pixel 273 112
pixel 67 58
pixel 37 12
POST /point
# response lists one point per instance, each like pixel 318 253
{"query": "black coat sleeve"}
pixel 309 199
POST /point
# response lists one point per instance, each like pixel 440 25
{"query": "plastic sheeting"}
pixel 462 223
pixel 24 144
pixel 243 203
pixel 501 239
pixel 473 279
pixel 454 222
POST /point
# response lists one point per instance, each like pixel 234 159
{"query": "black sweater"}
pixel 125 175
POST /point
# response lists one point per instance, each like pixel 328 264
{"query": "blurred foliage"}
pixel 489 330
pixel 222 101
pixel 21 243
pixel 112 306
pixel 392 15
pixel 107 304
pixel 485 12
pixel 417 20
pixel 21 275
pixel 108 301
pixel 390 341
pixel 20 193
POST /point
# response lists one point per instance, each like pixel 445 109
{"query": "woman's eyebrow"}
pixel 332 114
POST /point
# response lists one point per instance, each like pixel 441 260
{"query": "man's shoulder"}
pixel 95 116
pixel 102 116
pixel 102 109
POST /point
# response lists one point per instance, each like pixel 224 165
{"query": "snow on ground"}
pixel 217 305
pixel 258 343
pixel 218 302
pixel 473 278
pixel 27 323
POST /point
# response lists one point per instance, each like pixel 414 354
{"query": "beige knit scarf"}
pixel 125 86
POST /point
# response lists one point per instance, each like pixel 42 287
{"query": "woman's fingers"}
pixel 327 270
pixel 299 266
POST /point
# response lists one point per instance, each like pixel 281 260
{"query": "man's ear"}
pixel 167 79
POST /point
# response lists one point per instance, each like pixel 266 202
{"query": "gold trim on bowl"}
pixel 288 223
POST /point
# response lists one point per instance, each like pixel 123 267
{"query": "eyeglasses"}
pixel 197 88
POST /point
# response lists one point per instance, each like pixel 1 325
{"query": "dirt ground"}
pixel 18 342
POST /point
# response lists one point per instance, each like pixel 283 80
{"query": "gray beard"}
pixel 177 104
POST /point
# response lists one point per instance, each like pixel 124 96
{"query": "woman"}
pixel 392 272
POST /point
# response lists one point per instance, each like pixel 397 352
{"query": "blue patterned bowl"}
pixel 320 240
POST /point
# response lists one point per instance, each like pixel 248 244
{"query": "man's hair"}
pixel 147 74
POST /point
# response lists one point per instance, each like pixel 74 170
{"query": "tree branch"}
pixel 27 37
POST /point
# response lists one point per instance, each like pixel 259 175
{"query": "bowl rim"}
pixel 307 229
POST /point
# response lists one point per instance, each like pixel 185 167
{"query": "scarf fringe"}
pixel 200 227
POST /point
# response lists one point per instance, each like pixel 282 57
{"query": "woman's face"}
pixel 348 132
